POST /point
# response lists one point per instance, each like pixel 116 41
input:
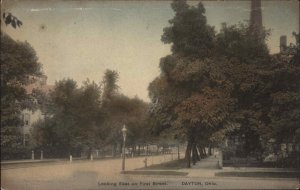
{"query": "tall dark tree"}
pixel 74 118
pixel 189 32
pixel 284 113
pixel 191 94
pixel 119 110
pixel 110 88
pixel 212 84
pixel 89 116
pixel 19 66
pixel 237 41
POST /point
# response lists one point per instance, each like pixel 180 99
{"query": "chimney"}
pixel 256 16
pixel 283 43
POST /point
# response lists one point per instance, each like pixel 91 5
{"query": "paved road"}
pixel 105 174
pixel 44 175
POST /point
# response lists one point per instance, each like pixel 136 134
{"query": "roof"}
pixel 44 88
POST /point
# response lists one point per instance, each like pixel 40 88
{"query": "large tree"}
pixel 211 83
pixel 191 95
pixel 74 118
pixel 89 117
pixel 284 113
pixel 119 110
pixel 189 32
pixel 19 66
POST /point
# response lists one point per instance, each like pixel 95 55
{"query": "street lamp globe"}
pixel 124 131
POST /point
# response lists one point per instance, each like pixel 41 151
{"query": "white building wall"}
pixel 29 118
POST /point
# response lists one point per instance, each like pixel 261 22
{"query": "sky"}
pixel 81 39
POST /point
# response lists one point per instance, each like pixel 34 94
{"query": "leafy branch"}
pixel 9 19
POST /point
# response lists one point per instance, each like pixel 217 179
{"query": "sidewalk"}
pixel 206 167
pixel 9 164
pixel 25 161
pixel 209 168
pixel 29 161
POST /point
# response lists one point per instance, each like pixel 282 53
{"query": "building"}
pixel 30 117
pixel 256 25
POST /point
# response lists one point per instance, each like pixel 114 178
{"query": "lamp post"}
pixel 124 130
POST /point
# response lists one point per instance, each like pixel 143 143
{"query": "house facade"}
pixel 30 117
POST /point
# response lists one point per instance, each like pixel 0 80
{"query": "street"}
pixel 105 174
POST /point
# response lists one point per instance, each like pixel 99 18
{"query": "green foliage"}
pixel 123 110
pixel 15 152
pixel 284 111
pixel 9 19
pixel 74 116
pixel 189 31
pixel 237 41
pixel 119 110
pixel 208 108
pixel 19 64
pixel 191 93
pixel 88 118
pixel 192 90
pixel 214 85
pixel 110 80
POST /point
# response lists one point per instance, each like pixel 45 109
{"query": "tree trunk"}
pixel 199 149
pixel 287 149
pixel 209 150
pixel 195 156
pixel 147 150
pixel 89 153
pixel 204 152
pixel 139 150
pixel 188 154
pixel 114 150
pixel 202 155
pixel 199 152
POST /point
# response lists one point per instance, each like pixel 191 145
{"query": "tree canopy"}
pixel 19 66
pixel 216 84
pixel 90 117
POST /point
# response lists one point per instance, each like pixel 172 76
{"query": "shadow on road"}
pixel 171 165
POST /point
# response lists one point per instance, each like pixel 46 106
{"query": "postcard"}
pixel 125 94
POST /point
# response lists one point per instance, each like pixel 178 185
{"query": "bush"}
pixel 16 153
pixel 292 161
